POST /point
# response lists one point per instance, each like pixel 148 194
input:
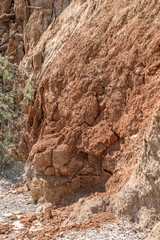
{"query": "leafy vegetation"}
pixel 15 92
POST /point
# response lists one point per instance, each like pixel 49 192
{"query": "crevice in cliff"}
pixel 107 171
pixel 29 10
pixel 118 137
pixel 89 175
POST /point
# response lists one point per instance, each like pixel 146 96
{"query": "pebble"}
pixel 7 215
pixel 17 213
pixel 1 219
pixel 36 227
pixel 18 225
pixel 39 209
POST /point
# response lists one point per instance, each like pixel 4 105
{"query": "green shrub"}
pixel 15 92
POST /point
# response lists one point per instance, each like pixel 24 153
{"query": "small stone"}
pixel 7 215
pixel 29 218
pixel 14 217
pixel 4 228
pixel 1 220
pixel 35 228
pixel 22 189
pixel 17 213
pixel 49 171
pixel 18 225
pixel 14 192
pixel 39 209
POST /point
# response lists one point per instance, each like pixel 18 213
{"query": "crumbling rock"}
pixel 86 209
pixel 140 198
pixel 67 170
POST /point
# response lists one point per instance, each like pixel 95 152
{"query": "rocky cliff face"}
pixel 95 65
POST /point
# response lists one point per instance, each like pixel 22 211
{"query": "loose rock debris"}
pixel 20 219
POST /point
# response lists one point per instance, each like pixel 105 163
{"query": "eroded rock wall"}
pixel 98 85
pixel 96 71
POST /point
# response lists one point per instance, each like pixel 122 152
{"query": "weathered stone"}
pixel 155 233
pixel 85 209
pixel 44 159
pixel 60 156
pixel 37 61
pixel 5 6
pixel 50 171
pixel 4 228
pixel 140 198
pixel 29 218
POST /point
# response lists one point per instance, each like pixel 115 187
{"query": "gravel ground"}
pixel 13 203
pixel 114 231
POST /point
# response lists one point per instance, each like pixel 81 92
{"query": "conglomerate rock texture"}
pixel 96 68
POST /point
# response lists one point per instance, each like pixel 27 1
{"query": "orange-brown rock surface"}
pixel 98 85
pixel 96 68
